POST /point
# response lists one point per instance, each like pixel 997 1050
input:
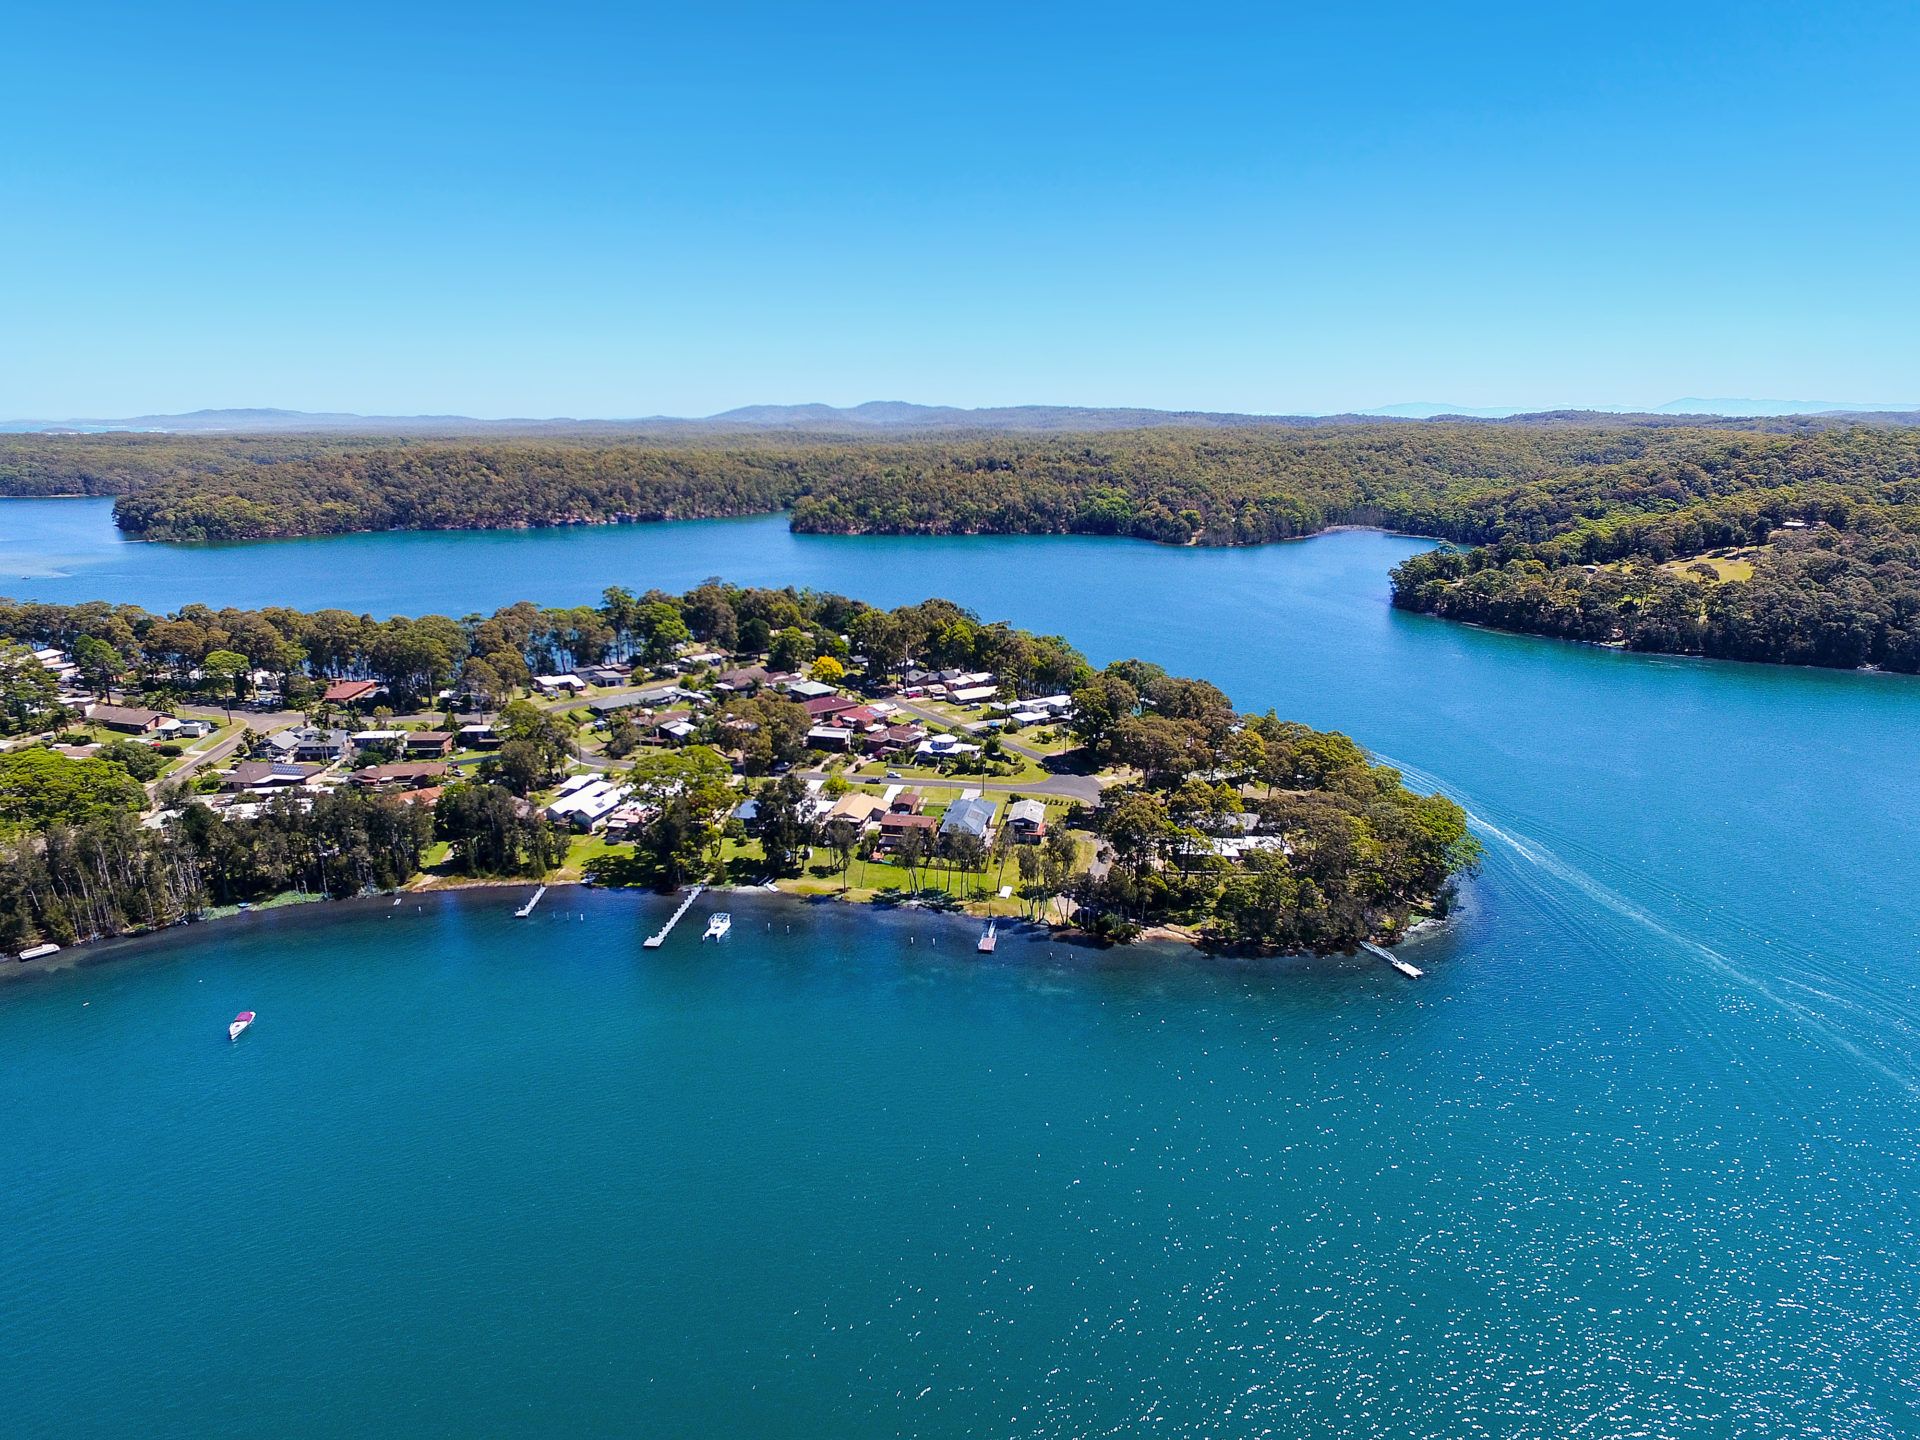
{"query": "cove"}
pixel 1639 1148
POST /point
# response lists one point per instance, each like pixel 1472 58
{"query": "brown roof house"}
pixel 126 719
pixel 403 775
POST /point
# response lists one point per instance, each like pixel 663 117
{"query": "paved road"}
pixel 1007 740
pixel 261 724
pixel 1070 787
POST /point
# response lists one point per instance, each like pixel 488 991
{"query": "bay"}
pixel 1635 1156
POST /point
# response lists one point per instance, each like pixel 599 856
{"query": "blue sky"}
pixel 636 209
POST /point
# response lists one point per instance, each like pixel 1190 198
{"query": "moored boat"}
pixel 239 1025
pixel 989 938
pixel 718 925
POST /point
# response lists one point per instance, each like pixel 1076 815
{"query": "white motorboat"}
pixel 718 924
pixel 240 1024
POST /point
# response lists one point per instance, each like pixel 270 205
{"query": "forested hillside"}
pixel 1588 529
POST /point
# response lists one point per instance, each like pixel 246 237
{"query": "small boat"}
pixel 40 952
pixel 989 938
pixel 239 1025
pixel 718 924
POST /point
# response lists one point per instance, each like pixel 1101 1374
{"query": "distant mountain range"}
pixel 900 416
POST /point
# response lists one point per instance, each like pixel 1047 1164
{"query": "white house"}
pixel 588 806
pixel 936 746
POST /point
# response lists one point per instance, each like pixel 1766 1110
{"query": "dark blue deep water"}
pixel 1636 1158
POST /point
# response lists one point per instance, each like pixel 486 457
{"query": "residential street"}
pixel 261 723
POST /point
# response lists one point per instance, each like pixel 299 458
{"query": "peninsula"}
pixel 160 767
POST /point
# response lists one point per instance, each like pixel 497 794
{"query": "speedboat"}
pixel 718 924
pixel 989 938
pixel 239 1025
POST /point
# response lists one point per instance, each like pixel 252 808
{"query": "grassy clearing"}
pixel 1730 565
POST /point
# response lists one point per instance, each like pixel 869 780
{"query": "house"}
pixel 351 692
pixel 1027 819
pixel 126 719
pixel 638 700
pixel 747 811
pixel 742 681
pixel 968 817
pixel 56 663
pixel 405 775
pixel 478 737
pixel 804 690
pixel 428 742
pixel 893 739
pixel 364 739
pixel 267 775
pixel 587 806
pixel 907 802
pixel 1238 847
pixel 175 729
pixel 552 685
pixel 894 825
pixel 822 708
pixel 306 744
pixel 972 694
pixel 858 806
pixel 586 812
pixel 938 747
pixel 606 674
pixel 830 737
pixel 627 819
pixel 672 727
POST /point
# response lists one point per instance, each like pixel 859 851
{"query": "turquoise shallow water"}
pixel 1635 1158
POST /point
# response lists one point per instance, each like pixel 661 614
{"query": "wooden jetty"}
pixel 1406 968
pixel 659 937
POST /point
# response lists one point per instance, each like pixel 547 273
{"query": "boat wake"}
pixel 1543 859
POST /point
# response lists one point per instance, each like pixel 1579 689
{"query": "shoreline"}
pixel 84 953
pixel 577 522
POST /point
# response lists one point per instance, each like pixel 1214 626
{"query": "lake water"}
pixel 1635 1158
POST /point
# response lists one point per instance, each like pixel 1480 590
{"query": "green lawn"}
pixel 1048 740
pixel 865 878
pixel 1019 770
pixel 582 849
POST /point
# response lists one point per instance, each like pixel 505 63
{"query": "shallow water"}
pixel 1634 1158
